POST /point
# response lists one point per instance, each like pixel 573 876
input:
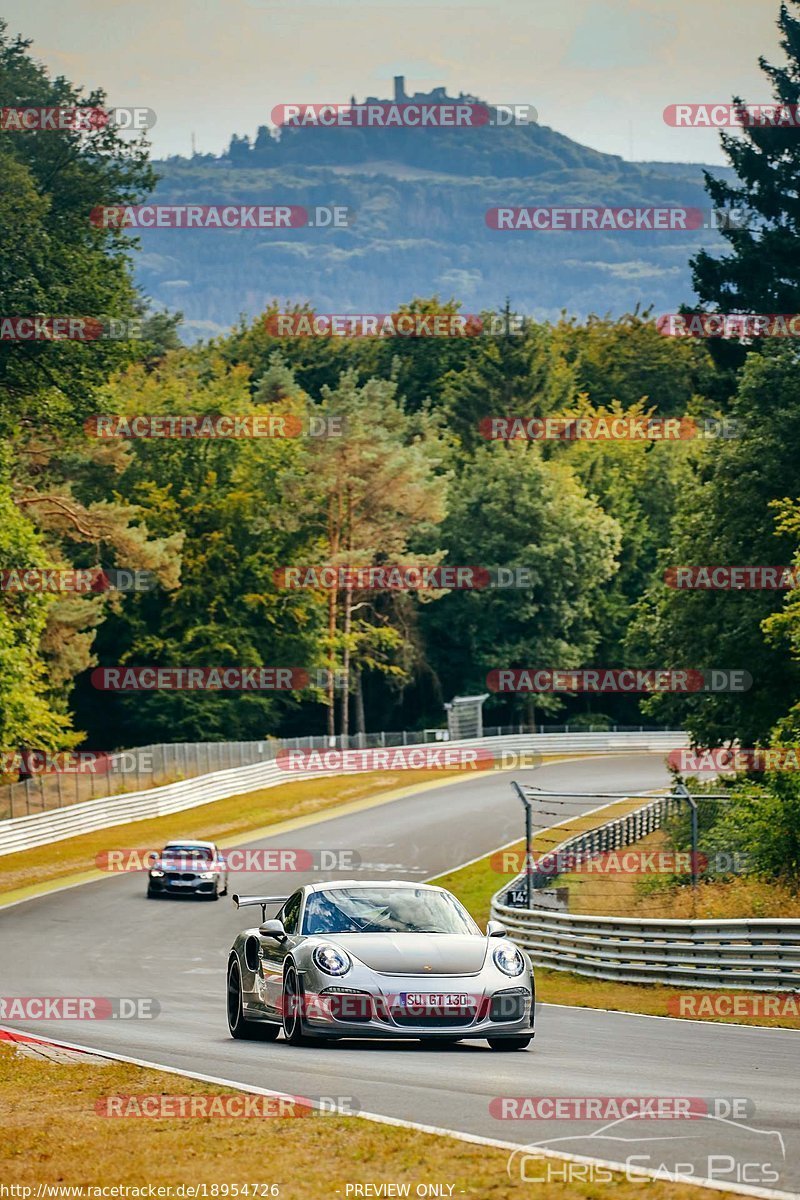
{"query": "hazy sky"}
pixel 601 71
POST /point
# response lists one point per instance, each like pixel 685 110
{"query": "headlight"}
pixel 208 874
pixel 509 960
pixel 331 960
pixel 154 874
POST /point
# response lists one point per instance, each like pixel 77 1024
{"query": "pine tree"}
pixel 762 274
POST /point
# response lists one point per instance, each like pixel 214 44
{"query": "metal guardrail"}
pixel 761 954
pixel 619 832
pixel 128 770
pixel 37 829
pixel 161 763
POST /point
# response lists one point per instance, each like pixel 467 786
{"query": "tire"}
pixel 151 895
pixel 292 1018
pixel 509 1043
pixel 214 895
pixel 238 1026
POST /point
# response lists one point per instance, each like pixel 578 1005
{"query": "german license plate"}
pixel 182 883
pixel 434 1000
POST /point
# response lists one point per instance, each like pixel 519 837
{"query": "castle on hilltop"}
pixel 436 96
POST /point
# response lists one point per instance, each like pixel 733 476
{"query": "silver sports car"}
pixel 377 960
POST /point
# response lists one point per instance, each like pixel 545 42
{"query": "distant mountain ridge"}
pixel 511 150
pixel 420 197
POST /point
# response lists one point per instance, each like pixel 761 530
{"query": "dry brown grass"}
pixel 614 893
pixel 53 1135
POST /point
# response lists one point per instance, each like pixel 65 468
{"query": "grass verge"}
pixel 615 893
pixel 53 1135
pixel 476 883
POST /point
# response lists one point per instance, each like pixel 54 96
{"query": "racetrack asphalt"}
pixel 106 939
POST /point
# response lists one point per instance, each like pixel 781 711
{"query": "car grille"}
pixel 511 1005
pixel 172 876
pixel 349 1006
pixel 435 1019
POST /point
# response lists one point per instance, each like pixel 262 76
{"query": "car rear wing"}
pixel 244 901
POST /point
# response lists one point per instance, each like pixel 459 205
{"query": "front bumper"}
pixel 181 883
pixel 493 1009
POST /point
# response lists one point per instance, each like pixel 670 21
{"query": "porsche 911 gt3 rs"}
pixel 377 960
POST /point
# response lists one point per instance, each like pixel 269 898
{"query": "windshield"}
pixel 204 853
pixel 385 910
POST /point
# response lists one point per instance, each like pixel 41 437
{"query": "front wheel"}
pixel 292 1005
pixel 509 1043
pixel 238 1026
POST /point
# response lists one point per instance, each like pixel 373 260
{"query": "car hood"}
pixel 416 953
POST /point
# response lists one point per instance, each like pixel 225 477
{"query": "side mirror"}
pixel 495 929
pixel 273 929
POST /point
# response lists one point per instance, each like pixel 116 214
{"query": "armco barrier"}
pixel 22 833
pixel 159 764
pixel 617 833
pixel 760 954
